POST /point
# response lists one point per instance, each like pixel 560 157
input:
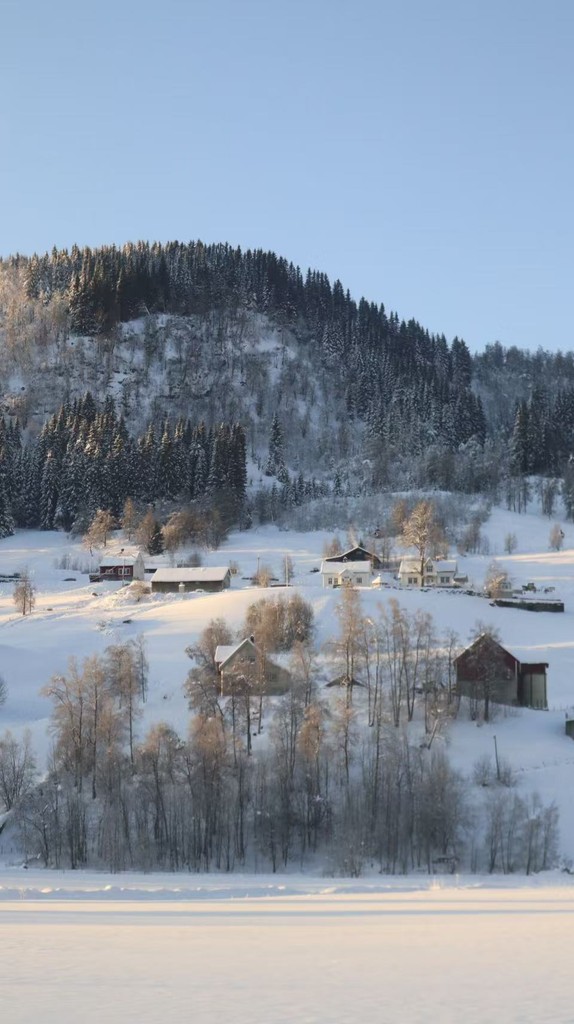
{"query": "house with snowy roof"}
pixel 123 565
pixel 244 665
pixel 356 554
pixel 345 574
pixel 204 577
pixel 437 572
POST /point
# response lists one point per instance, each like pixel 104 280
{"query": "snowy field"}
pixel 271 951
pixel 75 618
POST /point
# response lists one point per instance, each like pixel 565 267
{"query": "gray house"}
pixel 242 667
pixel 208 578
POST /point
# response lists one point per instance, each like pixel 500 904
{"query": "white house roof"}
pixel 202 573
pixel 336 568
pixel 223 652
pixel 410 565
pixel 445 565
pixel 440 565
pixel 119 559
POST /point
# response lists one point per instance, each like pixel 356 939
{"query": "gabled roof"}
pixel 410 564
pixel 203 573
pixel 223 652
pixel 489 641
pixel 521 666
pixel 345 680
pixel 337 568
pixel 346 555
pixel 119 559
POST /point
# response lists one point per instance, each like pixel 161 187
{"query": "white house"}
pixel 349 574
pixel 438 572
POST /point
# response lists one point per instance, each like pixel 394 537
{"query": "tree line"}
pixel 85 459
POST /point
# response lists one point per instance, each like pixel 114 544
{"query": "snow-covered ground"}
pixel 275 951
pixel 73 618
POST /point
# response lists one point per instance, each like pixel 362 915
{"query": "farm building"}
pixel 121 566
pixel 243 665
pixel 228 656
pixel 487 669
pixel 208 578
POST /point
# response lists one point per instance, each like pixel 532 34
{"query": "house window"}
pixel 444 579
pixel 330 581
pixel 359 579
pixel 412 579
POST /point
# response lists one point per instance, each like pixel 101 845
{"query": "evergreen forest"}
pixel 189 371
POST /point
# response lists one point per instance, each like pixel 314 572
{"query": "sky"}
pixel 421 152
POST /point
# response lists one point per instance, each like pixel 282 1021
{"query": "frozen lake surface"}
pixel 318 957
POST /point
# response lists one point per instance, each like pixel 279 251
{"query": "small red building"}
pixel 486 666
pixel 122 566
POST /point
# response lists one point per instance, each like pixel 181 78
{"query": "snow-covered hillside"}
pixel 174 366
pixel 74 618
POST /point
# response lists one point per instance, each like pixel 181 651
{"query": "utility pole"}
pixel 496 757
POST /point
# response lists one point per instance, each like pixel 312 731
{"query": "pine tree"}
pixel 49 492
pixel 519 442
pixel 149 534
pixel 155 546
pixel 276 460
pixel 6 517
pixel 166 468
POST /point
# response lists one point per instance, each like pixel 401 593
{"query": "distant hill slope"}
pixel 210 333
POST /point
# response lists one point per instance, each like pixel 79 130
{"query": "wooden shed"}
pixel 487 667
pixel 207 578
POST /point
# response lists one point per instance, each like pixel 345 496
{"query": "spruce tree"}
pixel 276 460
pixel 49 492
pixel 6 517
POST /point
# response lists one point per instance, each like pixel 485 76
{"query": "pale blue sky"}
pixel 422 150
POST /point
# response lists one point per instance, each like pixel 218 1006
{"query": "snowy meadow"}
pixel 255 950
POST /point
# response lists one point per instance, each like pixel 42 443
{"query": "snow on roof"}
pixel 335 568
pixel 223 652
pixel 439 565
pixel 119 559
pixel 343 555
pixel 410 565
pixel 445 565
pixel 203 573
